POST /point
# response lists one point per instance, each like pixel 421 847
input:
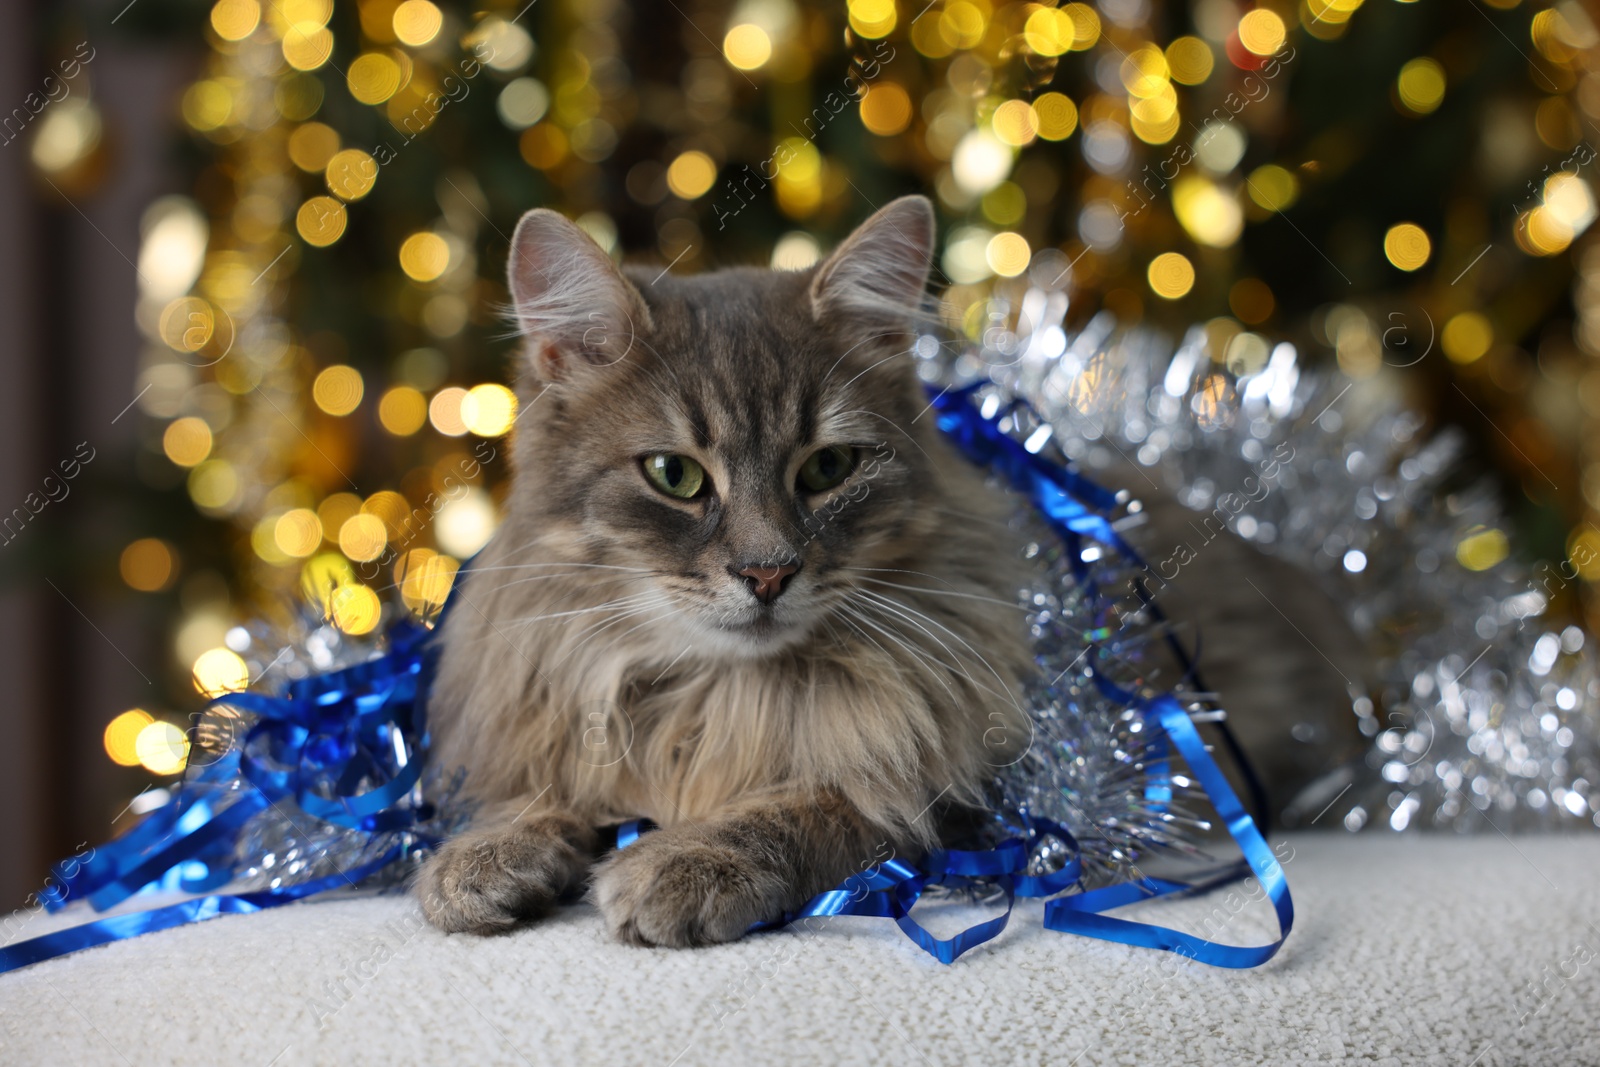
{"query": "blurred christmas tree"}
pixel 1382 183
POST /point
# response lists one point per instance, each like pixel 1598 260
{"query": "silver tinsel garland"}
pixel 1481 714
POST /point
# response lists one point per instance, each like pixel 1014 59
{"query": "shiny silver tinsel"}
pixel 283 846
pixel 1481 714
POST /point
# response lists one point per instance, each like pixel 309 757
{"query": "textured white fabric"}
pixel 1406 950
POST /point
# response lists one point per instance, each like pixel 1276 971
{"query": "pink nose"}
pixel 766 582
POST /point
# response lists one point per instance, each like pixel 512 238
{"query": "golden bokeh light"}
pixel 264 540
pixel 373 77
pixel 187 324
pixel 1008 254
pixel 122 735
pixel 355 609
pixel 321 575
pixel 444 411
pixel 1005 204
pixel 218 671
pixel 1057 114
pixel 1583 551
pixel 1466 337
pixel 747 46
pixel 393 510
pixel 403 410
pixel 307 45
pixel 1085 25
pixel 1049 31
pixel 162 748
pixel 297 533
pixel 1272 187
pixel 363 537
pixel 187 441
pixel 147 564
pixel 293 12
pixel 424 256
pixel 1482 549
pixel 338 389
pixel 543 146
pixel 488 410
pixel 1190 60
pixel 961 24
pixel 214 486
pixel 320 221
pixel 886 109
pixel 425 578
pixel 1209 215
pixel 1421 86
pixel 207 104
pixel 872 18
pixel 234 20
pixel 1015 123
pixel 335 511
pixel 691 175
pixel 351 174
pixel 465 523
pixel 1406 245
pixel 1144 71
pixel 312 145
pixel 1170 275
pixel 416 22
pixel 1262 31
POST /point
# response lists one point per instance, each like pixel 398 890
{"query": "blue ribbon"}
pixel 347 748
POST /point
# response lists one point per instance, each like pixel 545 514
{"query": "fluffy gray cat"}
pixel 743 588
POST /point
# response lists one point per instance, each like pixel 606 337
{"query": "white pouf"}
pixel 1406 950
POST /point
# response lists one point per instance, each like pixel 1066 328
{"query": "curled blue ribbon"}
pixel 347 748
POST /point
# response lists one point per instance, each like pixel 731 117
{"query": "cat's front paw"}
pixel 483 882
pixel 680 893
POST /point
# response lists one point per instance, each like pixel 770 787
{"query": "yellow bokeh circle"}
pixel 162 748
pixel 373 77
pixel 187 441
pixel 403 411
pixel 338 389
pixel 122 734
pixel 1007 254
pixel 363 537
pixel 351 173
pixel 691 175
pixel 416 22
pixel 747 46
pixel 1262 31
pixel 1170 275
pixel 320 221
pixel 488 410
pixel 1407 246
pixel 886 109
pixel 424 256
pixel 234 20
pixel 355 609
pixel 1057 114
pixel 218 671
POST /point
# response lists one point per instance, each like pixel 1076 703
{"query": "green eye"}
pixel 826 468
pixel 675 475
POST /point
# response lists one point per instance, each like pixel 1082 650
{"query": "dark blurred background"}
pixel 253 256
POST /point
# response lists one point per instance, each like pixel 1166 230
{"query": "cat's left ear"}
pixel 880 270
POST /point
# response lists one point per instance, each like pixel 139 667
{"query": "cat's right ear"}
pixel 573 305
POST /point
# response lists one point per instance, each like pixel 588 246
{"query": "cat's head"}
pixel 750 444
